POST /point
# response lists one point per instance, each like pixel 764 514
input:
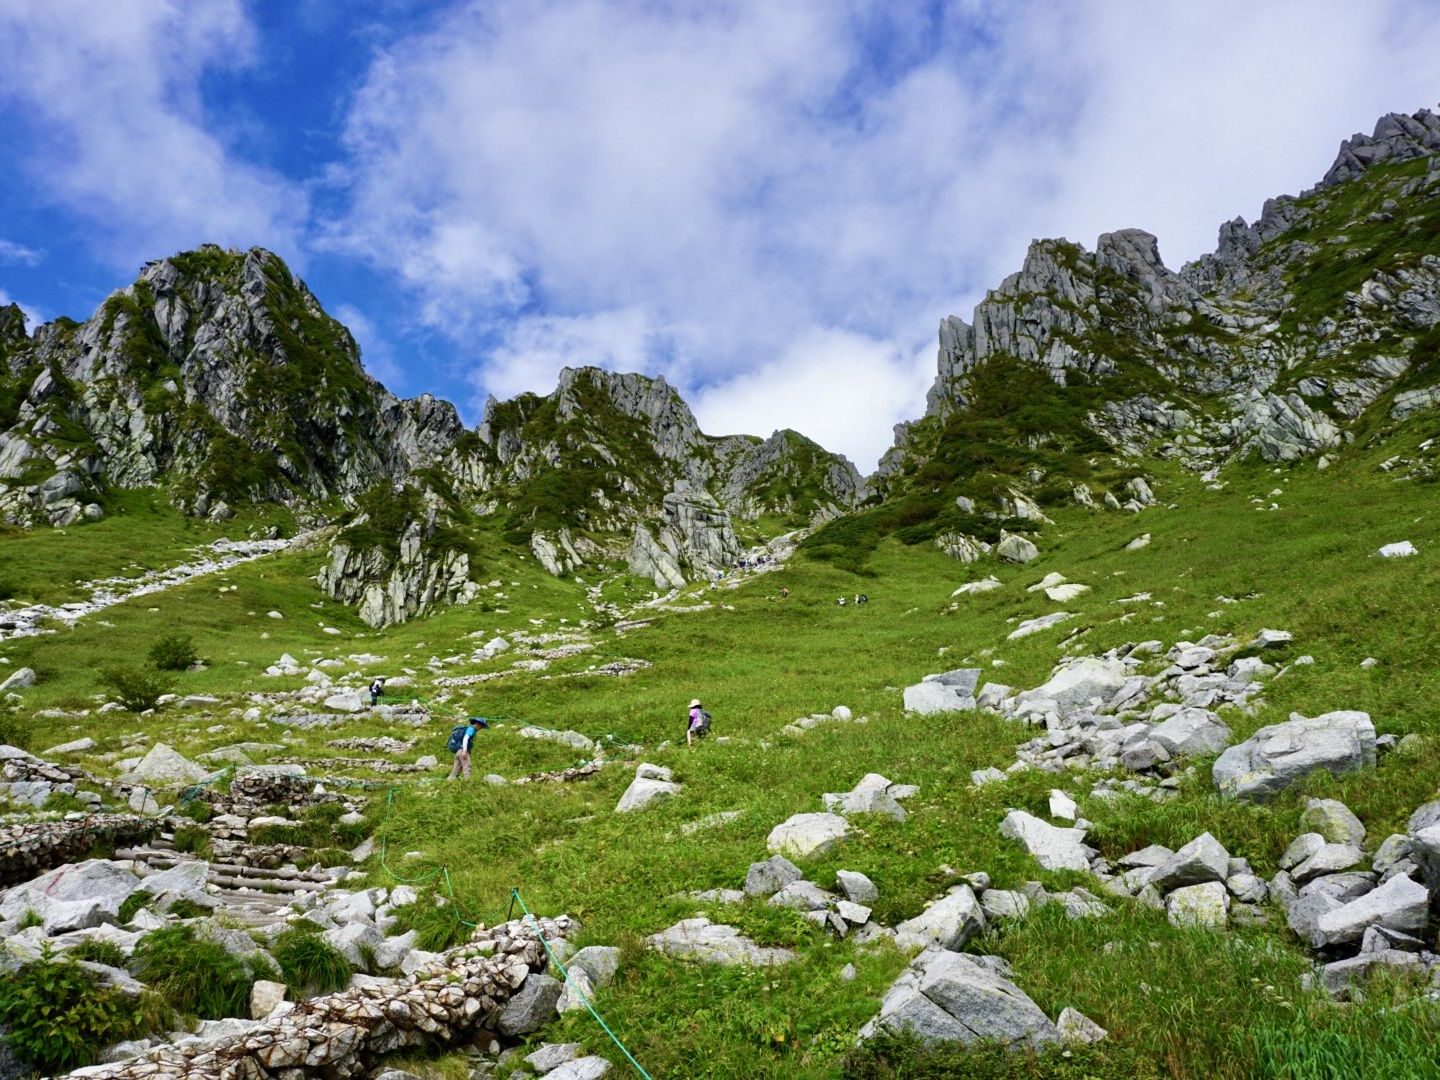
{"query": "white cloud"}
pixel 722 193
pixel 829 385
pixel 537 347
pixel 11 252
pixel 376 352
pixel 108 96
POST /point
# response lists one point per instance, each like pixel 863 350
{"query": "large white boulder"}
pixel 74 897
pixel 1277 756
pixel 642 792
pixel 163 766
pixel 1016 549
pixel 948 923
pixel 1206 905
pixel 1054 848
pixel 950 997
pixel 1084 682
pixel 1191 732
pixel 805 835
pixel 1400 904
pixel 714 943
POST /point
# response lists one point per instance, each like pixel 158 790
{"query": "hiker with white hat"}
pixel 699 725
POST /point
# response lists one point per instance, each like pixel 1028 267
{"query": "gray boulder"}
pixel 805 835
pixel 769 877
pixel 1425 850
pixel 1206 905
pixel 950 997
pixel 531 1007
pixel 1202 860
pixel 950 691
pixel 642 792
pixel 1191 732
pixel 1277 756
pixel 948 923
pixel 1400 904
pixel 585 1068
pixel 74 897
pixel 18 680
pixel 1334 821
pixel 1016 549
pixel 163 766
pixel 1340 977
pixel 801 896
pixel 714 943
pixel 1054 848
pixel 855 886
pixel 551 1056
pixel 1077 1028
pixel 1327 859
pixel 1080 683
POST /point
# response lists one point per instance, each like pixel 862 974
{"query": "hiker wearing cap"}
pixel 460 740
pixel 699 725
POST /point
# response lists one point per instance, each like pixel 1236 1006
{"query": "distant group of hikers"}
pixel 462 736
pixel 860 598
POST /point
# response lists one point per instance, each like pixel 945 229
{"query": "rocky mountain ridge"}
pixel 218 376
pixel 1317 321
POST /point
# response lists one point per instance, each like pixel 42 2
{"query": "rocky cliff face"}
pixel 216 373
pixel 391 586
pixel 614 466
pixel 218 376
pixel 1322 312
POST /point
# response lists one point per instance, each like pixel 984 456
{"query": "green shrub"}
pixel 193 840
pixel 195 976
pixel 98 951
pixel 57 1015
pixel 196 810
pixel 132 904
pixel 895 1057
pixel 31 918
pixel 14 730
pixel 309 964
pixel 437 928
pixel 173 652
pixel 135 688
pixel 187 909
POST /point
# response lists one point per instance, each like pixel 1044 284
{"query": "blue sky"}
pixel 770 203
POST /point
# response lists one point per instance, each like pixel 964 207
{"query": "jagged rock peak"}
pixel 1397 137
pixel 217 373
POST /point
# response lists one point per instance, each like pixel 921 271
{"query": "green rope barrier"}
pixel 515 898
pixel 438 872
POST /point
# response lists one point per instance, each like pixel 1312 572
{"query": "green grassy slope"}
pixel 1178 1003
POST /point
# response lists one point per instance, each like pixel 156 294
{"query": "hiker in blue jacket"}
pixel 462 750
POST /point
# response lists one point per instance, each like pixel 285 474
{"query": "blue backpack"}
pixel 457 733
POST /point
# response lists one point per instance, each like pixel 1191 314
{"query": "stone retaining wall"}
pixel 344 1035
pixel 30 848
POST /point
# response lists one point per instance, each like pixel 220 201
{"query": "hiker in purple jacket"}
pixel 699 725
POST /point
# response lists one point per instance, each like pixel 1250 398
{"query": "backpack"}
pixel 703 728
pixel 457 738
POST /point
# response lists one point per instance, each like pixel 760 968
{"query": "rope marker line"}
pixel 515 897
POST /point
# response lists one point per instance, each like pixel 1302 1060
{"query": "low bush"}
pixel 437 928
pixel 135 688
pixel 195 976
pixel 14 731
pixel 58 1016
pixel 173 652
pixel 98 951
pixel 308 963
pixel 193 840
pixel 131 905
